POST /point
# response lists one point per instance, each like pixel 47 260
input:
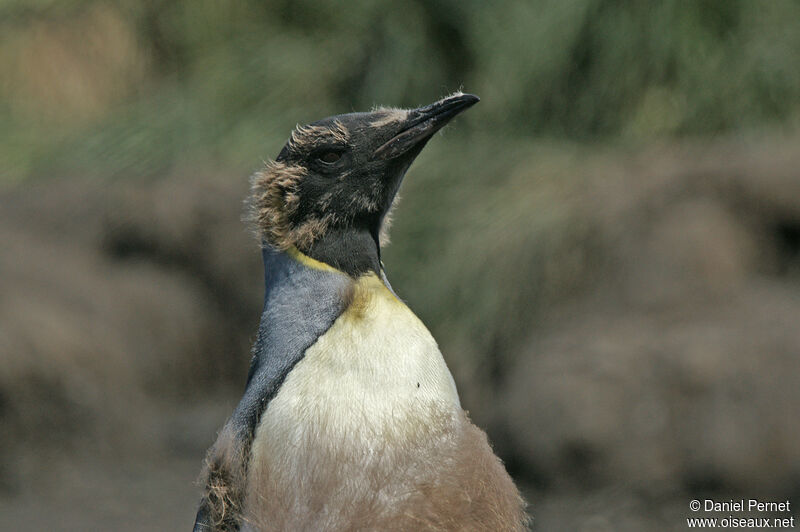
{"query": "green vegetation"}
pixel 138 89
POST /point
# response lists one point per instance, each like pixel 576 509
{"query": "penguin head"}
pixel 342 173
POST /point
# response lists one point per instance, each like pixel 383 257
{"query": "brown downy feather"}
pixel 386 225
pixel 304 136
pixel 272 203
pixel 388 115
pixel 274 193
pixel 224 478
pixel 443 476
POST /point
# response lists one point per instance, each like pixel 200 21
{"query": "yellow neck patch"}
pixel 366 290
pixel 305 260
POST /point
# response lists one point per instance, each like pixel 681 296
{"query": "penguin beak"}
pixel 421 123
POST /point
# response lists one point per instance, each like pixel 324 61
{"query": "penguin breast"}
pixel 377 363
pixel 374 380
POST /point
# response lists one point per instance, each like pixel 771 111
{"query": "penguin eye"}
pixel 329 157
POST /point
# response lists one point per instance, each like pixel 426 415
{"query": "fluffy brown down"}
pixel 273 202
pixel 224 478
pixel 274 193
pixel 305 136
pixel 443 477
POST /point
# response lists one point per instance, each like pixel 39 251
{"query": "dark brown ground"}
pixel 641 345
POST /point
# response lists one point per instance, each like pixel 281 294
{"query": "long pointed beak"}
pixel 422 123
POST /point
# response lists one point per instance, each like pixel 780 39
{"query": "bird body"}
pixel 350 419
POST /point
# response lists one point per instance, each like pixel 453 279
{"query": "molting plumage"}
pixel 350 419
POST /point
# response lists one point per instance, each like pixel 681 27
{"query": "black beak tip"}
pixel 457 102
pixel 470 99
pixel 423 122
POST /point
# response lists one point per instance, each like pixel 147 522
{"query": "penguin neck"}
pixel 352 251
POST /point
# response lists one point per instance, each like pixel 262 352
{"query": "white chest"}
pixel 373 377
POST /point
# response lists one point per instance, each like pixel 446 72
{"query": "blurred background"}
pixel 607 247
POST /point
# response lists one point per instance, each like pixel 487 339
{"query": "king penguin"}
pixel 350 419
